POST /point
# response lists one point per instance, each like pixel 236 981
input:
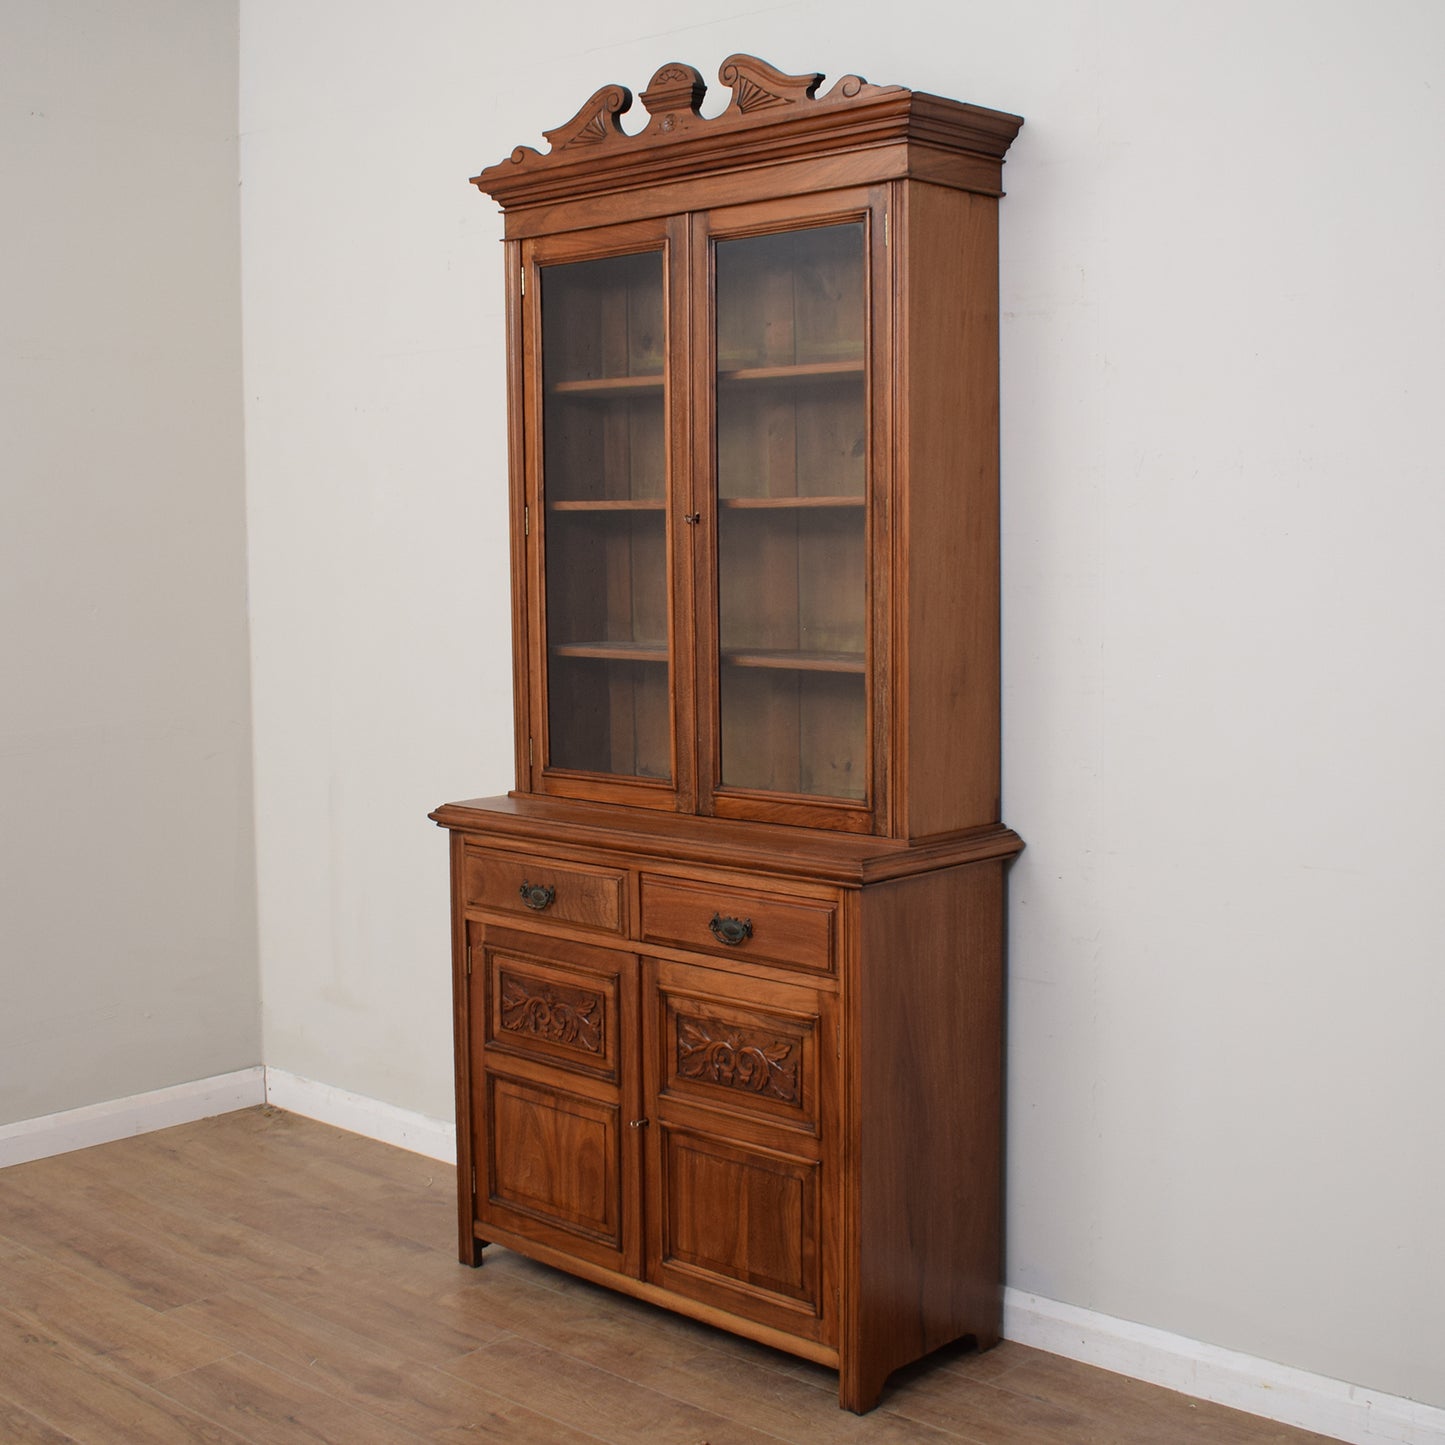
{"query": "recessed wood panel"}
pixel 742 1215
pixel 554 1156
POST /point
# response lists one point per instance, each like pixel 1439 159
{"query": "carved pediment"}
pixel 673 99
pixel 771 117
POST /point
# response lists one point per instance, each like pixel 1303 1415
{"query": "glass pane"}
pixel 792 469
pixel 604 449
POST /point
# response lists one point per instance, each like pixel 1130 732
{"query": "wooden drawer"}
pixel 790 931
pixel 533 887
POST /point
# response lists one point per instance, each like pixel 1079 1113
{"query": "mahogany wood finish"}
pixel 729 962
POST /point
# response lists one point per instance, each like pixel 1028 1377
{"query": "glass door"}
pixel 603 399
pixel 792 450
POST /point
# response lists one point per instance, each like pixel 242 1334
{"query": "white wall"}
pixel 128 955
pixel 1222 358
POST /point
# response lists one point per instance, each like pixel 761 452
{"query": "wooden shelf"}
pixel 792 661
pixel 606 386
pixel 797 371
pixel 612 651
pixel 787 504
pixel 609 504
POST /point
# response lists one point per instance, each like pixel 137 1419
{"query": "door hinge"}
pixel 529 752
pixel 526 521
pixel 885 228
pixel 474 1179
pixel 524 280
pixel 469 960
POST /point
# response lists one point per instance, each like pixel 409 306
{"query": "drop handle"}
pixel 538 896
pixel 638 1123
pixel 731 931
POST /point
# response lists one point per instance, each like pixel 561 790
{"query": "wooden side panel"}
pixel 469 1247
pixel 946 546
pixel 924 1244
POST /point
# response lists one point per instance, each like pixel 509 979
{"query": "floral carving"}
pixel 736 1058
pixel 569 1016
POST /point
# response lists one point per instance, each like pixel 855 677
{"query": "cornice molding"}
pixel 772 118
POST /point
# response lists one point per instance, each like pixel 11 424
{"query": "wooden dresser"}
pixel 728 962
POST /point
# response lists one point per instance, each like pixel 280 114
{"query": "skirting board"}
pixel 1206 1372
pixel 421 1134
pixel 138 1114
pixel 223 1094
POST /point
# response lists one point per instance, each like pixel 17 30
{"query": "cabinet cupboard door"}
pixel 792 337
pixel 553 1090
pixel 600 401
pixel 741 1185
pixel 707 460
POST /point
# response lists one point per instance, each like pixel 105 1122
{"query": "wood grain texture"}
pixel 926 1101
pixel 790 932
pixel 585 830
pixel 504 882
pixel 401 1343
pixel 946 544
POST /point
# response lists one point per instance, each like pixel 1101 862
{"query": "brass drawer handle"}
pixel 731 931
pixel 538 896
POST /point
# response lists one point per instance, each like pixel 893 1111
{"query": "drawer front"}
pixel 532 887
pixel 793 932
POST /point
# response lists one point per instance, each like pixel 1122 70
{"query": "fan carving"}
pixel 595 124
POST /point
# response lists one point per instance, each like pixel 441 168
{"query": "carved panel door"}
pixel 554 1088
pixel 741 1181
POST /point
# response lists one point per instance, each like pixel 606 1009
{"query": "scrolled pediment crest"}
pixel 595 124
pixel 673 99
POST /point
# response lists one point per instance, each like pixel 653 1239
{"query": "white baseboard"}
pixel 201 1098
pixel 435 1138
pixel 138 1114
pixel 1277 1392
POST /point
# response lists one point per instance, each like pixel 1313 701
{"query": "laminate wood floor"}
pixel 260 1277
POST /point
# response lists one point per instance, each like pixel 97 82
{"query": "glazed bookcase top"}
pixel 772 118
